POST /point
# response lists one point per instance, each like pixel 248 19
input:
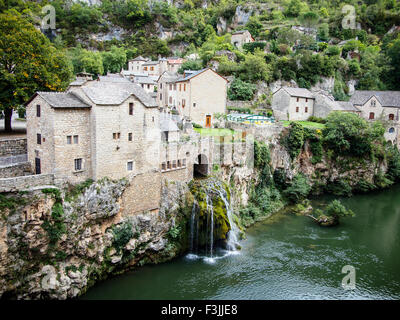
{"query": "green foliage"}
pixel 28 63
pixel 393 156
pixel 339 187
pixel 251 46
pixel 86 61
pixel 298 189
pixel 239 109
pixel 254 26
pixel 241 90
pixel 191 65
pixel 349 134
pixel 364 186
pixel 280 179
pixel 122 234
pixel 174 232
pixel 337 210
pixel 78 189
pixel 114 60
pixel 55 226
pixel 294 140
pixel 254 68
pixel 262 156
pixel 9 202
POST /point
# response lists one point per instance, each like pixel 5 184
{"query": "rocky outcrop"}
pixel 54 245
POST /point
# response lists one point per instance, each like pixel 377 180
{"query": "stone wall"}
pixel 263 133
pixel 25 182
pixel 143 193
pixel 13 147
pixel 15 170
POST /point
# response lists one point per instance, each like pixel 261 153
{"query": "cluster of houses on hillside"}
pixel 114 126
pixel 299 104
pixel 127 123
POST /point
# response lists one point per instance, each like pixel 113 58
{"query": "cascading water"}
pixel 212 219
pixel 210 210
pixel 233 241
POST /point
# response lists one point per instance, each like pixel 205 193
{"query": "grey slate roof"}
pixel 62 100
pixel 113 78
pixel 115 93
pixel 139 58
pixel 347 106
pixel 168 76
pixel 386 98
pixel 298 92
pixel 149 63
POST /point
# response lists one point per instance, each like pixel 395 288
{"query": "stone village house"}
pixel 195 95
pixel 239 38
pixel 299 104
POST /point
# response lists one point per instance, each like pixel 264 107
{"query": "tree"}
pixel 114 60
pixel 86 61
pixel 255 68
pixel 394 55
pixel 254 26
pixel 333 212
pixel 295 8
pixel 191 65
pixel 309 19
pixel 349 134
pixel 298 189
pixel 240 90
pixel 28 63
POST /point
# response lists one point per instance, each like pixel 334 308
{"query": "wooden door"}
pixel 208 121
pixel 37 166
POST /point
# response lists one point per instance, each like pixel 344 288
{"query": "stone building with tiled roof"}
pixel 103 128
pixel 195 95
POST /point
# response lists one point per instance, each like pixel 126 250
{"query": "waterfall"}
pixel 234 232
pixel 192 221
pixel 210 210
pixel 211 214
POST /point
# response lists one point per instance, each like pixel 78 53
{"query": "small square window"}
pixel 194 104
pixel 179 163
pixel 174 164
pixel 297 109
pixel 168 165
pixel 184 162
pixel 69 139
pixel 78 164
pixel 163 166
pixel 76 140
pixel 129 165
pixel 114 135
pixel 130 136
pixel 118 135
pixel 39 138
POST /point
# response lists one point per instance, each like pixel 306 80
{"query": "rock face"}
pixel 55 245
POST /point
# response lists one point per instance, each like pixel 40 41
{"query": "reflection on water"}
pixel 287 257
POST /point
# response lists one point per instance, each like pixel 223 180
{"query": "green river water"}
pixel 285 257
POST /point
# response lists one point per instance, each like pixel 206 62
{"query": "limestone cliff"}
pixel 55 245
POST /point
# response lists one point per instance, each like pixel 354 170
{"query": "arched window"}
pixel 391 130
pixel 371 116
pixel 391 116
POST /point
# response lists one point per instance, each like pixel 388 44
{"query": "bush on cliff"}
pixel 294 140
pixel 347 134
pixel 298 189
pixel 331 215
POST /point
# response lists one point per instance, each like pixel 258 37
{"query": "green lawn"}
pixel 214 132
pixel 307 124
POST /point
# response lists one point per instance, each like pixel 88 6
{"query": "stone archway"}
pixel 200 167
